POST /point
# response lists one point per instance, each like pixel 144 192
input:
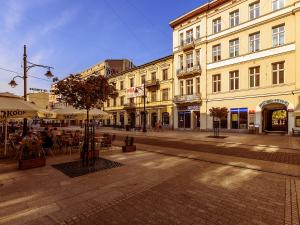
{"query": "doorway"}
pixel 184 119
pixel 275 118
pixel 153 119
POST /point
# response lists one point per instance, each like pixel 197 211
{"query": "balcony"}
pixel 179 99
pixel 188 71
pixel 129 106
pixel 187 44
pixel 152 83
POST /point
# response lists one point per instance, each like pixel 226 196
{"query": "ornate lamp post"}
pixel 27 66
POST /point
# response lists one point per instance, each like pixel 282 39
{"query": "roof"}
pixel 201 9
pixel 143 65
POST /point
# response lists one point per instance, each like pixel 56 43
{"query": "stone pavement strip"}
pixel 151 188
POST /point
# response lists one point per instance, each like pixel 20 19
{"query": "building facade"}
pixel 127 108
pixel 242 55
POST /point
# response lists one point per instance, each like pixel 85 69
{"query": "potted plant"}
pixel 31 158
pixel 129 146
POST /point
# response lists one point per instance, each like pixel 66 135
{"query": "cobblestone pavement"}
pixel 150 188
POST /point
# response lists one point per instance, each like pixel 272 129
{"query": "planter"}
pixel 32 163
pixel 129 148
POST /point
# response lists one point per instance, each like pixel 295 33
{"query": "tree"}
pixel 219 113
pixel 85 94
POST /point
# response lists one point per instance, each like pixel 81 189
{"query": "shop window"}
pixel 297 121
pixel 239 118
pixel 165 119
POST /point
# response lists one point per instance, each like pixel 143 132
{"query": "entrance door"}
pixel 153 119
pixel 275 118
pixel 184 119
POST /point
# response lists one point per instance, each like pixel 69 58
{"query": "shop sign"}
pixel 234 117
pixel 133 92
pixel 251 111
pixel 272 101
pixel 190 108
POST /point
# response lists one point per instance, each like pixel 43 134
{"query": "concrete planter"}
pixel 131 148
pixel 32 163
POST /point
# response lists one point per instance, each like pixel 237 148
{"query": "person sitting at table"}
pixel 47 142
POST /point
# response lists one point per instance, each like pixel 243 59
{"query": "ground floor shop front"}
pixel 135 118
pixel 265 114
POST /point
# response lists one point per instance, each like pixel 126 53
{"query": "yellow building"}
pixel 39 98
pixel 239 54
pixel 128 107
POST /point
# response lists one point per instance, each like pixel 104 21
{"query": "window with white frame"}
pixel 277 4
pixel 234 47
pixel 189 36
pixel 278 72
pixel 189 60
pixel 216 83
pixel 254 10
pixel 131 81
pixel 234 80
pixel 181 88
pixel 189 87
pixel 254 76
pixel 197 32
pixel 217 25
pixel 216 53
pixel 143 79
pixel 198 85
pixel 181 41
pixel 165 74
pixel 234 18
pixel 278 35
pixel 181 62
pixel 198 57
pixel 254 42
pixel 121 84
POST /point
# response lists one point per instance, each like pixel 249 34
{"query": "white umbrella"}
pixel 11 107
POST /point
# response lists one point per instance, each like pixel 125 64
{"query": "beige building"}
pixel 127 108
pixel 40 99
pixel 239 54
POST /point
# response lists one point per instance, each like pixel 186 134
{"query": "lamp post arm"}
pixel 31 65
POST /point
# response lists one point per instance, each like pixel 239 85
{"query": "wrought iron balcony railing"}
pixel 189 71
pixel 187 98
pixel 129 105
pixel 152 82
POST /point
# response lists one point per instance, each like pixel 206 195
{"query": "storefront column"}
pixel 258 119
pixel 159 116
pixel 175 117
pixel 291 122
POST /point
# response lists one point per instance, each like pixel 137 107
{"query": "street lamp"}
pixel 144 117
pixel 27 66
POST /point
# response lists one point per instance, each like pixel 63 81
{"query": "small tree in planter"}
pixel 217 113
pixel 129 144
pixel 85 94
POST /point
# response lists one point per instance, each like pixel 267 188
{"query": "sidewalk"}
pixel 273 141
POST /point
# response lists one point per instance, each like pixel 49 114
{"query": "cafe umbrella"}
pixel 14 107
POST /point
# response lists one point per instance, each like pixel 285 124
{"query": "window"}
pixel 121 85
pixel 165 94
pixel 131 80
pixel 278 72
pixel 216 53
pixel 239 118
pixel 277 4
pixel 234 48
pixel 234 18
pixel 189 36
pixel 165 74
pixel 122 100
pixel 115 102
pixel 189 87
pixel 254 42
pixel 189 60
pixel 181 39
pixel 254 74
pixel 153 76
pixel 278 35
pixel 131 100
pixel 216 83
pixel 254 10
pixel 198 57
pixel 217 25
pixel 108 103
pixel 181 88
pixel 153 96
pixel 181 62
pixel 143 79
pixel 198 85
pixel 234 80
pixel 197 32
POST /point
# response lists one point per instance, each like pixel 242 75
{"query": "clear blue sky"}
pixel 72 35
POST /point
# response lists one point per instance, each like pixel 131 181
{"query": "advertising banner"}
pixel 133 92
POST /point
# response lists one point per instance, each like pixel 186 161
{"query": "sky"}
pixel 72 36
